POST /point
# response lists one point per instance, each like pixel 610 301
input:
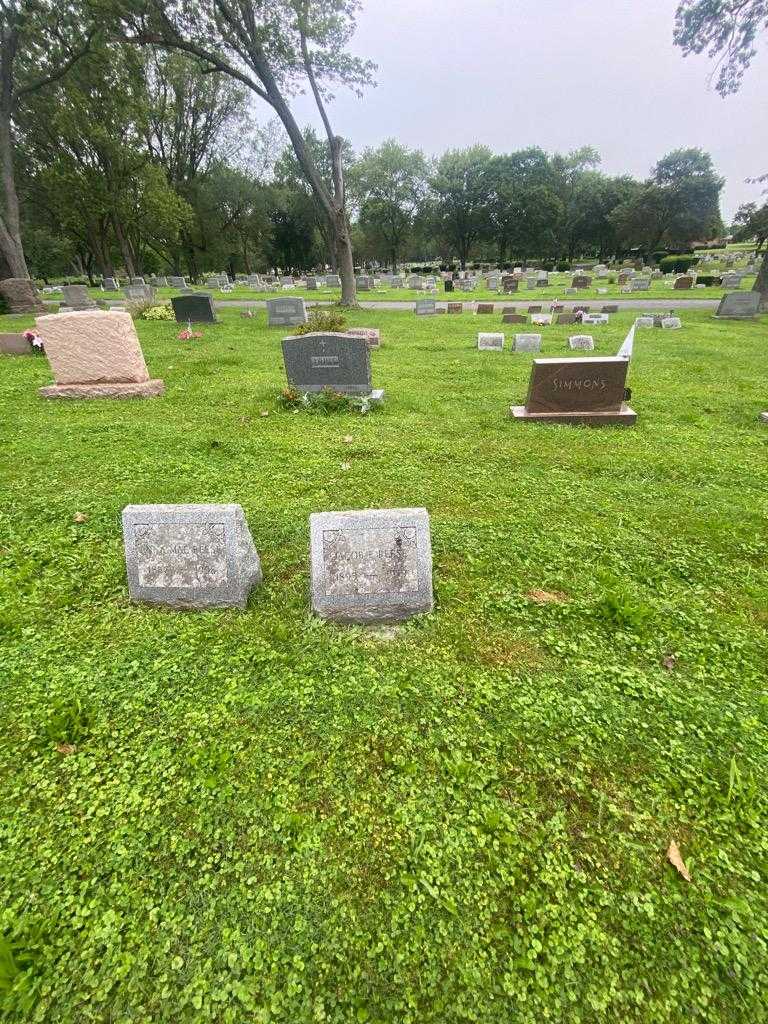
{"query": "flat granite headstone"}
pixel 425 307
pixel 581 341
pixel 527 343
pixel 644 321
pixel 328 360
pixel 671 323
pixel 455 307
pixel 372 335
pixel 541 319
pixel 95 354
pixel 490 342
pixel 193 309
pixel 372 566
pixel 514 318
pixel 485 307
pixel 739 306
pixel 15 345
pixel 189 556
pixel 611 308
pixel 535 309
pixel 566 318
pixel 585 390
pixel 287 312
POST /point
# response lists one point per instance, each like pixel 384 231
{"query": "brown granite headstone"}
pixel 683 283
pixel 566 318
pixel 21 295
pixel 514 318
pixel 455 307
pixel 485 307
pixel 586 390
pixel 581 281
pixel 610 308
pixel 534 309
pixel 509 284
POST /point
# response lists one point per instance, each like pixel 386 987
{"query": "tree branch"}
pixel 67 66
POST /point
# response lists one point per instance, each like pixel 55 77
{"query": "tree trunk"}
pixel 761 284
pixel 344 259
pixel 125 248
pixel 10 231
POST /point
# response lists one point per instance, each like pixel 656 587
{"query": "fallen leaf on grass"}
pixel 79 517
pixel 265 413
pixel 65 749
pixel 676 860
pixel 346 465
pixel 547 596
pixel 348 439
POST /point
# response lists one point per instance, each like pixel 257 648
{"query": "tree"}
pixel 751 223
pixel 389 185
pixel 727 30
pixel 460 198
pixel 274 48
pixel 523 209
pixel 288 175
pixel 40 42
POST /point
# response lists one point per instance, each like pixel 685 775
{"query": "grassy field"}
pixel 659 290
pixel 259 817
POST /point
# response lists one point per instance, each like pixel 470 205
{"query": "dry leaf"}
pixel 265 413
pixel 669 662
pixel 65 748
pixel 346 465
pixel 79 517
pixel 348 439
pixel 675 859
pixel 547 596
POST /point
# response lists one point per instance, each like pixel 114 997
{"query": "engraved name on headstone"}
pixel 328 360
pixel 584 390
pixel 189 556
pixel 371 566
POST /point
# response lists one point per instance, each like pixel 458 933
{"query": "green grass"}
pixel 658 291
pixel 268 818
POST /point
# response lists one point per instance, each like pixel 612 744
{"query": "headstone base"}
pixel 145 389
pixel 764 417
pixel 624 417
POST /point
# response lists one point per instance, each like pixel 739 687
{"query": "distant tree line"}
pixel 137 151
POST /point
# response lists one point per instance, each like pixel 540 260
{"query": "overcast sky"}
pixel 553 73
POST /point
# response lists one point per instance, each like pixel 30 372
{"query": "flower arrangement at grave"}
pixel 325 402
pixel 188 334
pixel 35 341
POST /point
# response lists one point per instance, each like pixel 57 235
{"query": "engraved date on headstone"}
pixel 370 561
pixel 181 555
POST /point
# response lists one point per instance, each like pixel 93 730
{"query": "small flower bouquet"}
pixel 35 341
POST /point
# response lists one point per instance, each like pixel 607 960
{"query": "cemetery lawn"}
pixel 255 816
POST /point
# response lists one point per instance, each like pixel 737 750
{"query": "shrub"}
pixel 563 266
pixel 548 266
pixel 678 264
pixel 322 321
pixel 162 312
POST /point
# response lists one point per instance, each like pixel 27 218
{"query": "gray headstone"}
pixel 373 566
pixel 527 343
pixel 582 341
pixel 189 556
pixel 492 342
pixel 174 282
pixel 425 307
pixel 111 284
pixel 194 309
pixel 287 312
pixel 328 360
pixel 139 293
pixel 138 280
pixel 76 297
pixel 731 281
pixel 739 306
pixel 332 281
